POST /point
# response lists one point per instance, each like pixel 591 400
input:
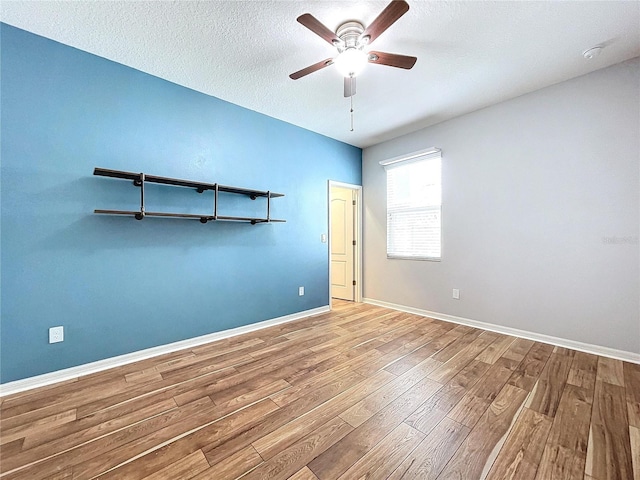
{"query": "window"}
pixel 414 198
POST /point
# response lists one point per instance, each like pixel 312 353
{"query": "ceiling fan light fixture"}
pixel 351 62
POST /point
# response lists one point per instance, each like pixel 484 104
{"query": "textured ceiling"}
pixel 470 54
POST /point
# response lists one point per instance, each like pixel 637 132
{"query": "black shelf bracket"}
pixel 140 181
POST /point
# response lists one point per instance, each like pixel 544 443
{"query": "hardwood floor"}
pixel 361 392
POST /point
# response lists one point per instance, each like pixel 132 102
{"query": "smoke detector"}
pixel 593 52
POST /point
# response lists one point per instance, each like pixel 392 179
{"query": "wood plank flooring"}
pixel 360 392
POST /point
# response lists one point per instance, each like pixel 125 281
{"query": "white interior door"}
pixel 342 243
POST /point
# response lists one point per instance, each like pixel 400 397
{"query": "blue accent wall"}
pixel 118 285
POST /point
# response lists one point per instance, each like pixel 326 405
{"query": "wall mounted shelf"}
pixel 139 180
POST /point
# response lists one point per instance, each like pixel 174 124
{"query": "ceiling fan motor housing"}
pixel 350 33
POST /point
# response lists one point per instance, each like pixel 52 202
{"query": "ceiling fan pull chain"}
pixel 351 97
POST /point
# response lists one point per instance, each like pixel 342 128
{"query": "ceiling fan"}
pixel 351 40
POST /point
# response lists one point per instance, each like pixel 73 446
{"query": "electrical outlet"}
pixel 56 334
pixel 323 238
pixel 300 291
pixel 456 294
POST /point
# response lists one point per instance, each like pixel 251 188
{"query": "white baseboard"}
pixel 93 367
pixel 538 337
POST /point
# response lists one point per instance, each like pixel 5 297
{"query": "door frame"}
pixel 357 256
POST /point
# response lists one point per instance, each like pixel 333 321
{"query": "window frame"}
pixel 396 162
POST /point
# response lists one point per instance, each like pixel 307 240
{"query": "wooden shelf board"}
pixel 188 215
pixel 105 172
pixel 247 191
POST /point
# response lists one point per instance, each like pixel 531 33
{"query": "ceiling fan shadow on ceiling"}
pixel 352 40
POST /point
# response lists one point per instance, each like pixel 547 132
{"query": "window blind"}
pixel 414 198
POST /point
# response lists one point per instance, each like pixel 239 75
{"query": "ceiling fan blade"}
pixel 311 69
pixel 392 60
pixel 313 24
pixel 349 86
pixel 387 17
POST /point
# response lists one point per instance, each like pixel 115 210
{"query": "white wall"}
pixel 540 213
